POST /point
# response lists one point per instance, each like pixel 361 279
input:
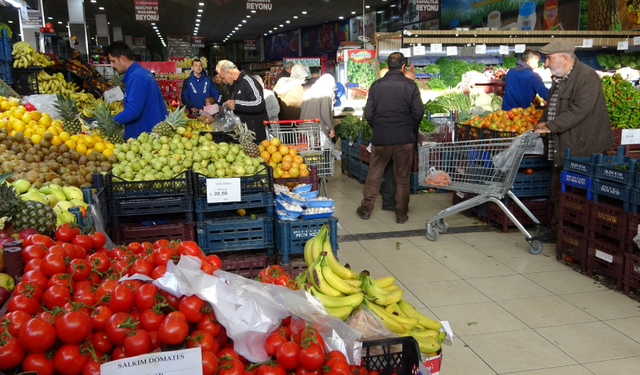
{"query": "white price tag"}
pixel 460 194
pixel 636 40
pixel 113 95
pixel 369 147
pixel 406 52
pixel 623 45
pixel 481 49
pixel 179 362
pixel 436 48
pixel 223 190
pixel 630 137
pixel 452 50
pixel 604 256
pixel 520 48
pixel 418 51
pixel 587 43
pixel 504 50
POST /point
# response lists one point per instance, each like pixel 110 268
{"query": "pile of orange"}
pixel 284 159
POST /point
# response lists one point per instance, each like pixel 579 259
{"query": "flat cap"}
pixel 288 64
pixel 559 46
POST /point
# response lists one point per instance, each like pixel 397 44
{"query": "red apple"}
pixel 4 295
pixel 48 25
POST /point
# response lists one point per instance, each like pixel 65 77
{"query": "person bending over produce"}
pixel 576 116
pixel 522 83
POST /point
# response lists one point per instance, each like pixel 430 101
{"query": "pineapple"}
pixel 25 214
pixel 105 123
pixel 68 109
pixel 245 137
pixel 175 120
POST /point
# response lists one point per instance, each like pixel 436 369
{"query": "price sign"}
pixel 636 40
pixel 436 48
pixel 418 51
pixel 504 50
pixel 406 52
pixel 587 43
pixel 452 50
pixel 481 49
pixel 623 45
pixel 223 190
pixel 630 137
pixel 113 95
pixel 178 362
pixel 604 256
pixel 520 48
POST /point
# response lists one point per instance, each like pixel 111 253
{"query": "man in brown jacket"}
pixel 576 115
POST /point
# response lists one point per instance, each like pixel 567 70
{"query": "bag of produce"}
pixel 437 178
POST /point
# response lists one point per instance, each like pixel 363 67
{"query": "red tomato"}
pixel 101 342
pixel 158 272
pixel 135 247
pixel 193 308
pixel 283 280
pixel 16 320
pixel 164 254
pixel 209 363
pixel 29 305
pixel 528 171
pixel 79 269
pixel 222 337
pixel 228 353
pixel 69 361
pixel 73 327
pixel 118 353
pixel 38 362
pixel 311 335
pixel 99 317
pixel 336 367
pixel 189 248
pixel 265 277
pixel 336 354
pixel 33 252
pixel 230 366
pixel 56 295
pixel 63 280
pixel 271 369
pixel 99 240
pixel 121 268
pixel 87 284
pixel 142 266
pixel 273 342
pixel 146 297
pixel 105 289
pixel 85 296
pixel 214 260
pixel 118 327
pixel 28 289
pixel 11 353
pixel 311 357
pixel 99 262
pixel 173 330
pixel 36 335
pixel 209 324
pixel 41 239
pixel 172 300
pixel 155 340
pixel 287 355
pixel 137 344
pixel 160 243
pixel 70 250
pixel 92 367
pixel 177 314
pixel 33 264
pixel 121 299
pixel 66 232
pixel 83 240
pixel 206 268
pixel 150 320
pixel 50 317
pixel 203 340
pixel 134 285
pixel 37 277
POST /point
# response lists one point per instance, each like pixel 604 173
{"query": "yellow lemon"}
pixel 99 146
pixel 32 123
pixel 36 138
pixel 110 146
pixel 41 131
pixel 26 118
pixel 64 136
pixel 28 133
pixel 3 124
pixel 35 115
pixel 13 133
pixel 75 138
pixel 81 148
pixel 107 152
pixel 97 138
pixel 56 141
pixel 20 126
pixel 14 103
pixel 18 114
pixel 53 130
pixel 5 105
pixel 12 120
pixel 71 144
pixel 45 121
pixel 89 141
pixel 57 123
pixel 90 150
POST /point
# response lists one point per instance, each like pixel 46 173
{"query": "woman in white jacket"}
pixel 271 102
pixel 317 102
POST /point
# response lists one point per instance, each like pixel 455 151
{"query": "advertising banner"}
pixel 410 15
pixel 197 42
pixel 282 45
pixel 324 38
pixel 357 27
pixel 259 5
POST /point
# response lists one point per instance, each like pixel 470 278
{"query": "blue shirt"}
pixel 521 86
pixel 196 89
pixel 144 106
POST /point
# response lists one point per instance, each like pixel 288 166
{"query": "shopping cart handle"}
pixel 291 121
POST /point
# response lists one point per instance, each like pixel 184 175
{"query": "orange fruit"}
pixel 277 172
pixel 286 165
pixel 294 172
pixel 287 157
pixel 285 174
pixel 81 148
pixel 303 166
pixel 284 150
pixel 261 148
pixel 272 149
pixel 265 143
pixel 266 156
pixel 56 141
pixel 295 165
pixel 276 157
pixel 298 159
pixel 273 164
pixel 293 152
pixel 275 142
pixel 304 173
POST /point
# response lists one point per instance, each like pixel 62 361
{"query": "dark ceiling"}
pixel 179 17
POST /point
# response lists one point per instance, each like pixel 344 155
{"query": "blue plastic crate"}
pixel 606 170
pixel 583 165
pixel 612 190
pixel 354 151
pixel 634 200
pixel 344 147
pixel 292 235
pixel 363 141
pixel 236 233
pixel 364 172
pixel 180 185
pixel 6 47
pixel 536 162
pixel 86 223
pixel 344 163
pixel 251 200
pixel 537 184
pixel 354 167
pixel 6 72
pixel 259 183
pixel 576 180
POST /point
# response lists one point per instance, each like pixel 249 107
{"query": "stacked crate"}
pixel 631 275
pixel 344 155
pixel 6 60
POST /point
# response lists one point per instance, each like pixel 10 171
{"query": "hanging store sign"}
pixel 259 5
pixel 197 41
pixel 249 44
pixel 147 10
pixel 139 43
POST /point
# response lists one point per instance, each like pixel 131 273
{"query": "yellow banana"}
pixel 316 249
pixel 385 281
pixel 428 346
pixel 395 309
pixel 340 312
pixel 307 251
pixel 389 320
pixel 352 301
pixel 337 268
pixel 424 334
pixel 391 288
pixel 356 283
pixel 334 281
pixel 390 298
pixel 426 322
pixel 315 273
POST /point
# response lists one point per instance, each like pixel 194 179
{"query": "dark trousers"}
pixel 388 188
pixel 555 198
pixel 380 156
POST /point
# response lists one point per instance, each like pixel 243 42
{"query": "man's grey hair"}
pixel 224 65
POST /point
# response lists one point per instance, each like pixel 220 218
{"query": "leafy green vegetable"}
pixel 432 69
pixel 426 126
pixel 509 62
pixel 455 101
pixel 433 107
pixel 623 102
pixel 436 83
pixel 361 73
pixel 352 127
pixel 478 67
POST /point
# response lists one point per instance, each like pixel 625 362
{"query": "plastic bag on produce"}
pixel 437 178
pixel 250 310
pixel 372 327
pixel 225 120
pixel 504 160
pixel 43 103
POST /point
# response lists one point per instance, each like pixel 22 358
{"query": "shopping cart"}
pixel 312 144
pixel 486 167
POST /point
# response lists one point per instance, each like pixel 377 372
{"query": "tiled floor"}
pixel 512 312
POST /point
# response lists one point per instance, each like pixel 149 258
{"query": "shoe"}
pixel 401 221
pixel 545 237
pixel 362 214
pixel 388 208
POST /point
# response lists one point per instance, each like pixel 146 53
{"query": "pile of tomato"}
pixel 516 120
pixel 69 313
pixel 298 348
pixel 276 275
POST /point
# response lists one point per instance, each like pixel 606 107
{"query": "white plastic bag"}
pixel 225 120
pixel 504 160
pixel 43 103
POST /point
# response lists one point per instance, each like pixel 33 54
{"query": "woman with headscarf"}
pixel 289 91
pixel 273 108
pixel 318 103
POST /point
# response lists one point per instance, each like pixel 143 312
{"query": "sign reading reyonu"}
pixel 260 5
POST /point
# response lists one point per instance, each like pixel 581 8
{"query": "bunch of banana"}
pixel 198 126
pixel 25 56
pixel 52 84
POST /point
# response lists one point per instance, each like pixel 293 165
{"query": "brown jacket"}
pixel 582 120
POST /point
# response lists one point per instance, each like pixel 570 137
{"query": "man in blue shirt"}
pixel 144 106
pixel 522 83
pixel 197 87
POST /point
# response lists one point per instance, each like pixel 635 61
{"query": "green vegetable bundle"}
pixel 361 73
pixel 623 102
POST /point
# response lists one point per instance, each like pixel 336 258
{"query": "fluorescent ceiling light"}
pixel 10 21
pixel 199 15
pixel 304 12
pixel 296 17
pixel 248 16
pixel 239 25
pixel 368 6
pixel 253 11
pixel 236 28
pixel 101 8
pixel 353 12
pixel 50 18
pixel 265 33
pixel 201 4
pixel 341 18
pixel 287 21
pixel 153 24
pixel 59 22
pixel 281 25
pixel 93 1
pixel 244 21
pixel 200 10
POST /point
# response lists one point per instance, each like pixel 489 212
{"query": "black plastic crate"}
pixel 236 233
pixel 354 167
pixel 248 201
pixel 292 235
pixel 610 169
pixel 354 151
pixel 536 162
pixel 259 183
pixel 582 165
pixel 344 163
pixel 621 193
pixel 344 147
pixel 364 172
pixel 180 185
pixel 25 81
pixel 537 184
pixel 157 206
pixel 399 356
pixel 486 133
pixel 220 137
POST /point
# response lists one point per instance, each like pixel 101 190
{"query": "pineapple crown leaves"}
pixel 242 132
pixel 177 117
pixel 4 176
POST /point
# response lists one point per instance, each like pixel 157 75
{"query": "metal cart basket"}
pixel 485 167
pixel 312 144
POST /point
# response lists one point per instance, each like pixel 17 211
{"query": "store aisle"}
pixel 512 312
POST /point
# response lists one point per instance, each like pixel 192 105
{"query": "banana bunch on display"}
pixel 342 291
pixel 52 84
pixel 25 56
pixel 86 105
pixel 198 126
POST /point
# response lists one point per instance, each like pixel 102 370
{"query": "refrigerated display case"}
pixel 355 71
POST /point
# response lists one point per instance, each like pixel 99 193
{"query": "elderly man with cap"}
pixel 576 115
pixel 285 73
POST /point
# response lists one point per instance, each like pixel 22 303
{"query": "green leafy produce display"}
pixel 431 69
pixel 446 69
pixel 455 101
pixel 437 84
pixel 433 107
pixel 352 127
pixel 631 60
pixel 509 62
pixel 622 102
pixel 426 126
pixel 361 73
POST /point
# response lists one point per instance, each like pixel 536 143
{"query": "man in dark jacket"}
pixel 247 98
pixel 285 73
pixel 197 87
pixel 576 116
pixel 522 83
pixel 394 111
pixel 223 88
